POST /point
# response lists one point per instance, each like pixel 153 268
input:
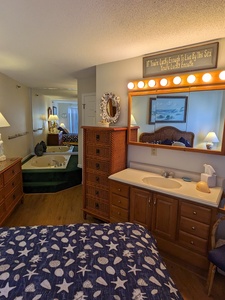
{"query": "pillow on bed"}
pixel 167 142
pixel 64 130
pixel 182 140
pixel 179 144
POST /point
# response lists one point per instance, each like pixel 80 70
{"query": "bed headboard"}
pixel 167 133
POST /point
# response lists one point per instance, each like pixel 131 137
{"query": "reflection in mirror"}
pixel 205 112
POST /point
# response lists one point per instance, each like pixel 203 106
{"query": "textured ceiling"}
pixel 45 43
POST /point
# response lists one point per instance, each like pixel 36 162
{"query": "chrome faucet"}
pixel 165 174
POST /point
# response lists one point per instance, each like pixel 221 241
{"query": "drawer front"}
pixel 96 165
pixel 12 172
pixel 97 192
pixel 97 206
pixel 12 184
pixel 193 242
pixel 119 213
pixel 119 188
pixel 1 180
pixel 98 137
pixel 101 152
pixel 195 212
pixel 99 179
pixel 119 201
pixel 13 197
pixel 193 227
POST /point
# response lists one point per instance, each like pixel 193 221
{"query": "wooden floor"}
pixel 65 208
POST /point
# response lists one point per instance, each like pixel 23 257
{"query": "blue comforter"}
pixel 82 261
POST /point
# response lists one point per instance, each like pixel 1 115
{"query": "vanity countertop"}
pixel 187 190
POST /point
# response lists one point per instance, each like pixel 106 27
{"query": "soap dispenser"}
pixel 209 176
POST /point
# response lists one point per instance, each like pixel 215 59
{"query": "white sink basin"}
pixel 162 182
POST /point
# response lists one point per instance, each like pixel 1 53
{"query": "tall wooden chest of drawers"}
pixel 11 187
pixel 104 153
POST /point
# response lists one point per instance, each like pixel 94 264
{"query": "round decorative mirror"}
pixel 110 107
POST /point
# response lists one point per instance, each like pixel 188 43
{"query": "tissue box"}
pixel 209 179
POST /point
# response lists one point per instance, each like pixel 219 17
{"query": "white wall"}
pixel 85 86
pixel 15 105
pixel 113 77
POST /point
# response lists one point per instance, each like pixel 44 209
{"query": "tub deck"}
pixel 52 180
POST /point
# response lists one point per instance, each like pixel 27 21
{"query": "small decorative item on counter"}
pixel 209 176
pixel 202 187
pixel 103 123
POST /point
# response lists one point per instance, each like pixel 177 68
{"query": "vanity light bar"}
pixel 182 80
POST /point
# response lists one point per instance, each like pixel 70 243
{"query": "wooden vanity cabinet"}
pixel 181 227
pixel 164 216
pixel 141 207
pixel 119 202
pixel 104 153
pixel 156 212
pixel 194 226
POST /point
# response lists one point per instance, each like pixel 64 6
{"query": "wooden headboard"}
pixel 164 133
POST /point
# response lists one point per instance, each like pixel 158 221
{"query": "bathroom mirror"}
pixel 201 110
pixel 110 107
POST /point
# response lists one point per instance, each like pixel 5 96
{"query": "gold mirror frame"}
pixel 215 80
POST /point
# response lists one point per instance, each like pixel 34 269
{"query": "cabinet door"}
pixel 140 207
pixel 165 211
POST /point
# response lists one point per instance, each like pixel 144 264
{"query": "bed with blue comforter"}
pixel 82 261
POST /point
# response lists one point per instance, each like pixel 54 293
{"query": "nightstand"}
pixel 54 139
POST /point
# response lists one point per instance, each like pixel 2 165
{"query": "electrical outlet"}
pixel 154 151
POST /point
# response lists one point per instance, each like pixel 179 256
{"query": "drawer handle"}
pixel 97 179
pixel 97 151
pixel 97 166
pixel 96 193
pixel 192 243
pixel 193 227
pixel 194 212
pixel 96 205
pixel 118 213
pixel 14 196
pixel 119 190
pixel 119 201
pixel 13 184
pixel 97 137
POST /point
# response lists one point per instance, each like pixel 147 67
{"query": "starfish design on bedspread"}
pixel 64 286
pixel 30 273
pixel 24 252
pixel 119 283
pixel 5 291
pixel 112 246
pixel 69 248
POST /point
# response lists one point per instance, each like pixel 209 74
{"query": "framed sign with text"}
pixel 188 59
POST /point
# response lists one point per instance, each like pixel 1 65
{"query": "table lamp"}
pixel 211 138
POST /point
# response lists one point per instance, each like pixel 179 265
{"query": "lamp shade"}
pixel 53 118
pixel 3 122
pixel 211 137
pixel 132 120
